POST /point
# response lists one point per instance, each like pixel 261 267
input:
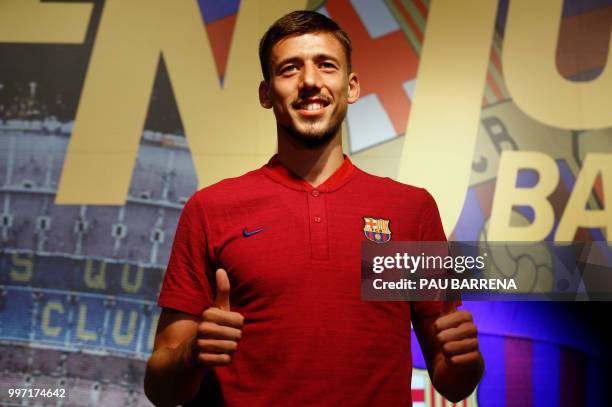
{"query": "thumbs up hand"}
pixel 457 335
pixel 219 330
pixel 223 289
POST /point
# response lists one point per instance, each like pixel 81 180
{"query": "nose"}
pixel 311 77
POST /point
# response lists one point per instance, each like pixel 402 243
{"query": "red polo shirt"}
pixel 292 253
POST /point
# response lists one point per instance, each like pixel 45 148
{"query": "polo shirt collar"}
pixel 278 173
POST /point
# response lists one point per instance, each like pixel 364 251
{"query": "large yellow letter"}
pixel 443 126
pixel 93 279
pixel 131 286
pixel 508 195
pixel 32 21
pixel 152 330
pixel 26 264
pixel 532 78
pixel 576 215
pixel 82 332
pixel 124 338
pixel 227 130
pixel 46 318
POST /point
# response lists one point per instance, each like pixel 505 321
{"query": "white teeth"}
pixel 313 106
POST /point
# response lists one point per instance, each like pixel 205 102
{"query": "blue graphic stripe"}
pixel 492 388
pixel 213 10
pixel 574 7
pixel 545 374
pixel 418 361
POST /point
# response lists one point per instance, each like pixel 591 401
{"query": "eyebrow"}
pixel 317 57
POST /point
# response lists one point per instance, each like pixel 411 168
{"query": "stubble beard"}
pixel 312 137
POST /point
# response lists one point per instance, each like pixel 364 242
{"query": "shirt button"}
pixel 317 219
pixel 315 192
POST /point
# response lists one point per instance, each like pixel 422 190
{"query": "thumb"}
pixel 448 307
pixel 223 290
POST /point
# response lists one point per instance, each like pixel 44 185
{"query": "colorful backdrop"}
pixel 112 113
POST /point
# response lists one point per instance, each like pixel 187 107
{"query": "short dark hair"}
pixel 298 23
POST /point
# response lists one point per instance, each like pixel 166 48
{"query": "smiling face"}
pixel 309 87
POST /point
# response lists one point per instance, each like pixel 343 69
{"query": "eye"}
pixel 328 66
pixel 289 68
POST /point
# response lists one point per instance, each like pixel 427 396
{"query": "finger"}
pixel 223 290
pixel 463 331
pixel 211 359
pixel 453 320
pixel 225 318
pixel 210 330
pixel 216 346
pixel 466 358
pixel 460 347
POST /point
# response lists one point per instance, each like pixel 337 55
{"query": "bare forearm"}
pixel 456 382
pixel 171 377
pixel 187 345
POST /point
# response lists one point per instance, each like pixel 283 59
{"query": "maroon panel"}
pixel 572 378
pixel 518 355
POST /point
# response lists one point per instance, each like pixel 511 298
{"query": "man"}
pixel 263 283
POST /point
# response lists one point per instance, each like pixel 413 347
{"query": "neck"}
pixel 312 165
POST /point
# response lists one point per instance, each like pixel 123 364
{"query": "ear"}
pixel 264 95
pixel 353 88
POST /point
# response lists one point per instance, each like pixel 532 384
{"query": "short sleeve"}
pixel 430 230
pixel 430 225
pixel 186 285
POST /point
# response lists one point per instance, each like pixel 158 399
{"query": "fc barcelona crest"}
pixel 377 230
